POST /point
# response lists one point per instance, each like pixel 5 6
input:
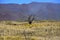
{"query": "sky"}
pixel 27 1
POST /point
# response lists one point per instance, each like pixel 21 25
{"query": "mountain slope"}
pixel 42 11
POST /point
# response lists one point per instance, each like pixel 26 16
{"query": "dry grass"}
pixel 41 30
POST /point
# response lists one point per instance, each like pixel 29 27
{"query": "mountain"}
pixel 41 11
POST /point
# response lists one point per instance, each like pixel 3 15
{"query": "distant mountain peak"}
pixel 43 3
pixel 42 11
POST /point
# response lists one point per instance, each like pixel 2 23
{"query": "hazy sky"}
pixel 28 1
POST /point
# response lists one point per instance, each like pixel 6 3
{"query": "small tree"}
pixel 30 19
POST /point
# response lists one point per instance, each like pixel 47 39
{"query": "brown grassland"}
pixel 39 30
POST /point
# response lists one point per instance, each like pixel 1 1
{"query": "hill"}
pixel 42 11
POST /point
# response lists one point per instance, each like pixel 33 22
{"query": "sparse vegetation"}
pixel 24 31
pixel 30 19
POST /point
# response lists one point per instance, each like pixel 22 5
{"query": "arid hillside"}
pixel 20 12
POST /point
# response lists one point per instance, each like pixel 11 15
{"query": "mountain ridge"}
pixel 42 11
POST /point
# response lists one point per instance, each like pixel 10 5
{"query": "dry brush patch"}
pixel 11 30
